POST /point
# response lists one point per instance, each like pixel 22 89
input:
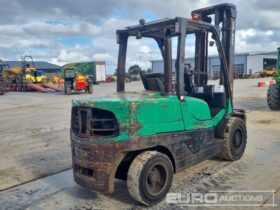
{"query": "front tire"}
pixel 150 177
pixel 273 97
pixel 234 139
pixel 90 87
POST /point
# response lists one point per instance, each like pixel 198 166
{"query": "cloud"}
pixel 49 29
pixel 103 57
pixel 73 55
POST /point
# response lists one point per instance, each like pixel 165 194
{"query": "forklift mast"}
pixel 225 20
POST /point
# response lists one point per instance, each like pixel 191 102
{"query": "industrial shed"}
pixel 245 63
pixel 46 67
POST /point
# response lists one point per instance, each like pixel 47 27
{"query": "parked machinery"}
pixel 273 94
pixel 96 70
pixel 75 81
pixel 25 74
pixel 268 73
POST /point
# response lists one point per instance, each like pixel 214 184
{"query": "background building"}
pixel 46 67
pixel 245 63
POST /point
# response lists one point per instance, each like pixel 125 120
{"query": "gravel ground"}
pixel 35 155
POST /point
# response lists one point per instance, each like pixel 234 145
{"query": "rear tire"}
pixel 234 140
pixel 150 177
pixel 273 97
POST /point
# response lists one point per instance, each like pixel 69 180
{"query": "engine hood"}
pixel 144 113
pixel 126 97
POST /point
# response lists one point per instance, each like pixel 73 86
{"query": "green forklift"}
pixel 273 93
pixel 145 137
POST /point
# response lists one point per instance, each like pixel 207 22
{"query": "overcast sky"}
pixel 63 31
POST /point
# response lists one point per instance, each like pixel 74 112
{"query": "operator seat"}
pixel 152 81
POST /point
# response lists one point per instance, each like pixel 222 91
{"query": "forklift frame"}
pixel 129 133
pixel 162 31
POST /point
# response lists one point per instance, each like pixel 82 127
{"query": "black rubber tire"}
pixel 90 87
pixel 18 80
pixel 2 91
pixel 138 177
pixel 90 90
pixel 25 81
pixel 235 130
pixel 67 88
pixel 24 87
pixel 273 97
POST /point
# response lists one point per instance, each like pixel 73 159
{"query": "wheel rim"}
pixel 237 140
pixel 156 179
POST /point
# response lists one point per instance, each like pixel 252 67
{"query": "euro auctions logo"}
pixel 224 198
pixel 192 198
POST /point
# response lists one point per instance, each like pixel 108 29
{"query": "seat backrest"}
pixel 153 81
pixel 219 100
pixel 203 92
pixel 144 79
pixel 153 84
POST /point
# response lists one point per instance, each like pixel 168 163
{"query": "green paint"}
pixel 147 113
pixel 229 107
pixel 278 67
pixel 196 114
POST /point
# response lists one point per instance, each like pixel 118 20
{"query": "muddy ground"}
pixel 35 166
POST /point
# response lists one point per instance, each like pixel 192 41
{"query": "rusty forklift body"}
pixel 180 126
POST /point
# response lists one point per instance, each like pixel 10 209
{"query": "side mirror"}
pixel 211 43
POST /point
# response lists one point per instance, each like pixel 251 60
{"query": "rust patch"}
pixel 95 165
